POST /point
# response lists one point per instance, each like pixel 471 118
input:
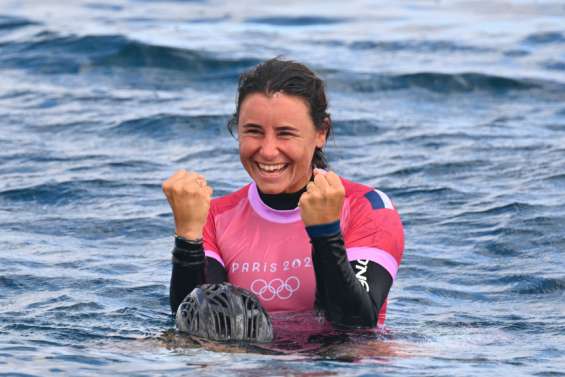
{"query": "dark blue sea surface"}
pixel 456 109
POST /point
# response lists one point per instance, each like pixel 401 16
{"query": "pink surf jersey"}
pixel 268 251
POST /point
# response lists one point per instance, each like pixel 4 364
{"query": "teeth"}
pixel 271 168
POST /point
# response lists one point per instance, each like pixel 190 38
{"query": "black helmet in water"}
pixel 224 312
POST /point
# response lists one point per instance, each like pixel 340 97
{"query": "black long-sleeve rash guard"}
pixel 348 293
pixel 190 269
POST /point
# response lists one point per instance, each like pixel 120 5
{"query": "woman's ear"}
pixel 322 134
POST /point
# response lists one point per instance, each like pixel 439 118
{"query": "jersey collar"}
pixel 268 213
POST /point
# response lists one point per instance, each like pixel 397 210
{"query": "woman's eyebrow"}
pixel 251 125
pixel 286 128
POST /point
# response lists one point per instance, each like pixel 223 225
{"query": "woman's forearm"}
pixel 349 293
pixel 188 270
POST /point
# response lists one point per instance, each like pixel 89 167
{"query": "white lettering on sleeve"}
pixel 361 266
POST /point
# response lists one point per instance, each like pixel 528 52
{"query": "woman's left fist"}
pixel 323 199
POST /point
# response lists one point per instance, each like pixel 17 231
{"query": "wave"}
pixel 441 168
pixel 514 207
pixel 296 21
pixel 545 38
pixel 435 192
pixel 516 53
pixel 32 161
pixel 430 139
pixel 97 229
pixel 10 23
pixel 58 193
pixel 498 249
pixel 416 46
pixel 445 293
pixel 355 127
pixel 68 333
pixel 140 166
pixel 554 65
pixel 558 178
pixel 28 283
pixel 50 301
pixel 209 157
pixel 164 127
pixel 469 321
pixel 77 307
pixel 169 1
pixel 444 83
pixel 526 284
pixel 561 112
pixel 493 212
pixel 50 53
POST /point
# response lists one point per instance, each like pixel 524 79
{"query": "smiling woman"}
pixel 299 237
pixel 277 140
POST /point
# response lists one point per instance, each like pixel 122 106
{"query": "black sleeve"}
pixel 349 294
pixel 190 269
pixel 215 272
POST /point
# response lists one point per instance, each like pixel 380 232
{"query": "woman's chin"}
pixel 270 188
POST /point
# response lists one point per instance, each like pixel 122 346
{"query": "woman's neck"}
pixel 283 201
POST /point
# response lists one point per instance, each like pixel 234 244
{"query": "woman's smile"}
pixel 271 168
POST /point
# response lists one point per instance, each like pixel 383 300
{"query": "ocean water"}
pixel 456 109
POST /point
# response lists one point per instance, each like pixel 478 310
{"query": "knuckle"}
pixel 178 188
pixel 190 189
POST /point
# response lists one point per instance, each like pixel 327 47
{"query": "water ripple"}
pixel 165 127
pixel 545 38
pixel 51 53
pixel 60 193
pixel 442 83
pixel 8 23
pixel 417 45
pixel 296 21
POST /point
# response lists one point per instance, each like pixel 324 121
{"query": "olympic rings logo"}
pixel 275 288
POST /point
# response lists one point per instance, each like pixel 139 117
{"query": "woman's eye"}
pixel 286 134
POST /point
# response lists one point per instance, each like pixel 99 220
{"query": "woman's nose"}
pixel 269 147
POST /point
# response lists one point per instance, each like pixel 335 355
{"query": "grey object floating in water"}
pixel 224 312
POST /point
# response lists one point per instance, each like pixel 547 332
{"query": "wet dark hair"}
pixel 286 76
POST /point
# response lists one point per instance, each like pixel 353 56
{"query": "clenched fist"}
pixel 323 199
pixel 189 197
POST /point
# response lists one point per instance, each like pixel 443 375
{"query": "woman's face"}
pixel 277 139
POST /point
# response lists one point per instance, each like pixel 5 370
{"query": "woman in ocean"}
pixel 298 236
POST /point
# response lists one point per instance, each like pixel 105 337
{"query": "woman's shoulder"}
pixel 375 197
pixel 230 200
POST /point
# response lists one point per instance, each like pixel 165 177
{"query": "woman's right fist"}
pixel 189 197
